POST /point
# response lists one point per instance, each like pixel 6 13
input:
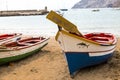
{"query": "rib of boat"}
pixel 4 38
pixel 13 51
pixel 82 50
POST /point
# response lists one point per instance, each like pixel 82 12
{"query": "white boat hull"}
pixel 14 54
pixel 81 52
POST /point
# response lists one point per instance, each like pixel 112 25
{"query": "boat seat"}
pixel 101 39
pixel 27 43
pixel 32 41
pixel 21 44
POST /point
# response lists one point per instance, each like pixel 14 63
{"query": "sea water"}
pixel 87 20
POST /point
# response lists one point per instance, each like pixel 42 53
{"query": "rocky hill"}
pixel 97 4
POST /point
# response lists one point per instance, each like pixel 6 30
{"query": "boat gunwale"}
pixel 82 38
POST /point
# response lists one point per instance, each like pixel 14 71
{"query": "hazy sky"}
pixel 36 4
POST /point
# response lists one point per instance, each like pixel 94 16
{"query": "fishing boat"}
pixel 95 10
pixel 17 50
pixel 64 9
pixel 4 38
pixel 82 50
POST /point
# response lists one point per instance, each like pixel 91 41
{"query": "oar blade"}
pixel 62 22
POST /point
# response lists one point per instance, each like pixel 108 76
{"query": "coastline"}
pixel 50 64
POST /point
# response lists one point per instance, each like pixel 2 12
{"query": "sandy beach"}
pixel 50 64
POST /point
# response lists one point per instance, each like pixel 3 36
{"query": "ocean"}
pixel 87 20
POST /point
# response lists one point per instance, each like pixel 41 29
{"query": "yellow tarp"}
pixel 62 22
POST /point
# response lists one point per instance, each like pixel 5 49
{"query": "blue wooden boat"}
pixel 82 50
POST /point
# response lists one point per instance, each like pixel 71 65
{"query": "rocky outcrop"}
pixel 97 4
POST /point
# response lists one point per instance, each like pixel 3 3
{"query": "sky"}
pixel 36 4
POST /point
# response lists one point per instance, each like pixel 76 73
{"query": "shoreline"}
pixel 50 64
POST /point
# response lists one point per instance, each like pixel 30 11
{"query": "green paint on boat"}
pixel 18 57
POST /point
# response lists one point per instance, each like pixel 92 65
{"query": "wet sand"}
pixel 50 64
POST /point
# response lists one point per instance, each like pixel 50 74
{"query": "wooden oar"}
pixel 62 22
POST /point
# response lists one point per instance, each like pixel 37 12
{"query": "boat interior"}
pixel 24 42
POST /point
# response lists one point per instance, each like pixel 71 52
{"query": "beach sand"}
pixel 50 64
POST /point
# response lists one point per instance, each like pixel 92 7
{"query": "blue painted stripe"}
pixel 78 60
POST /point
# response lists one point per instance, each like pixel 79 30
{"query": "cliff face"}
pixel 97 4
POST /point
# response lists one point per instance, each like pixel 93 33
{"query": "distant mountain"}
pixel 97 4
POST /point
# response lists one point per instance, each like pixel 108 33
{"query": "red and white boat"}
pixel 22 48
